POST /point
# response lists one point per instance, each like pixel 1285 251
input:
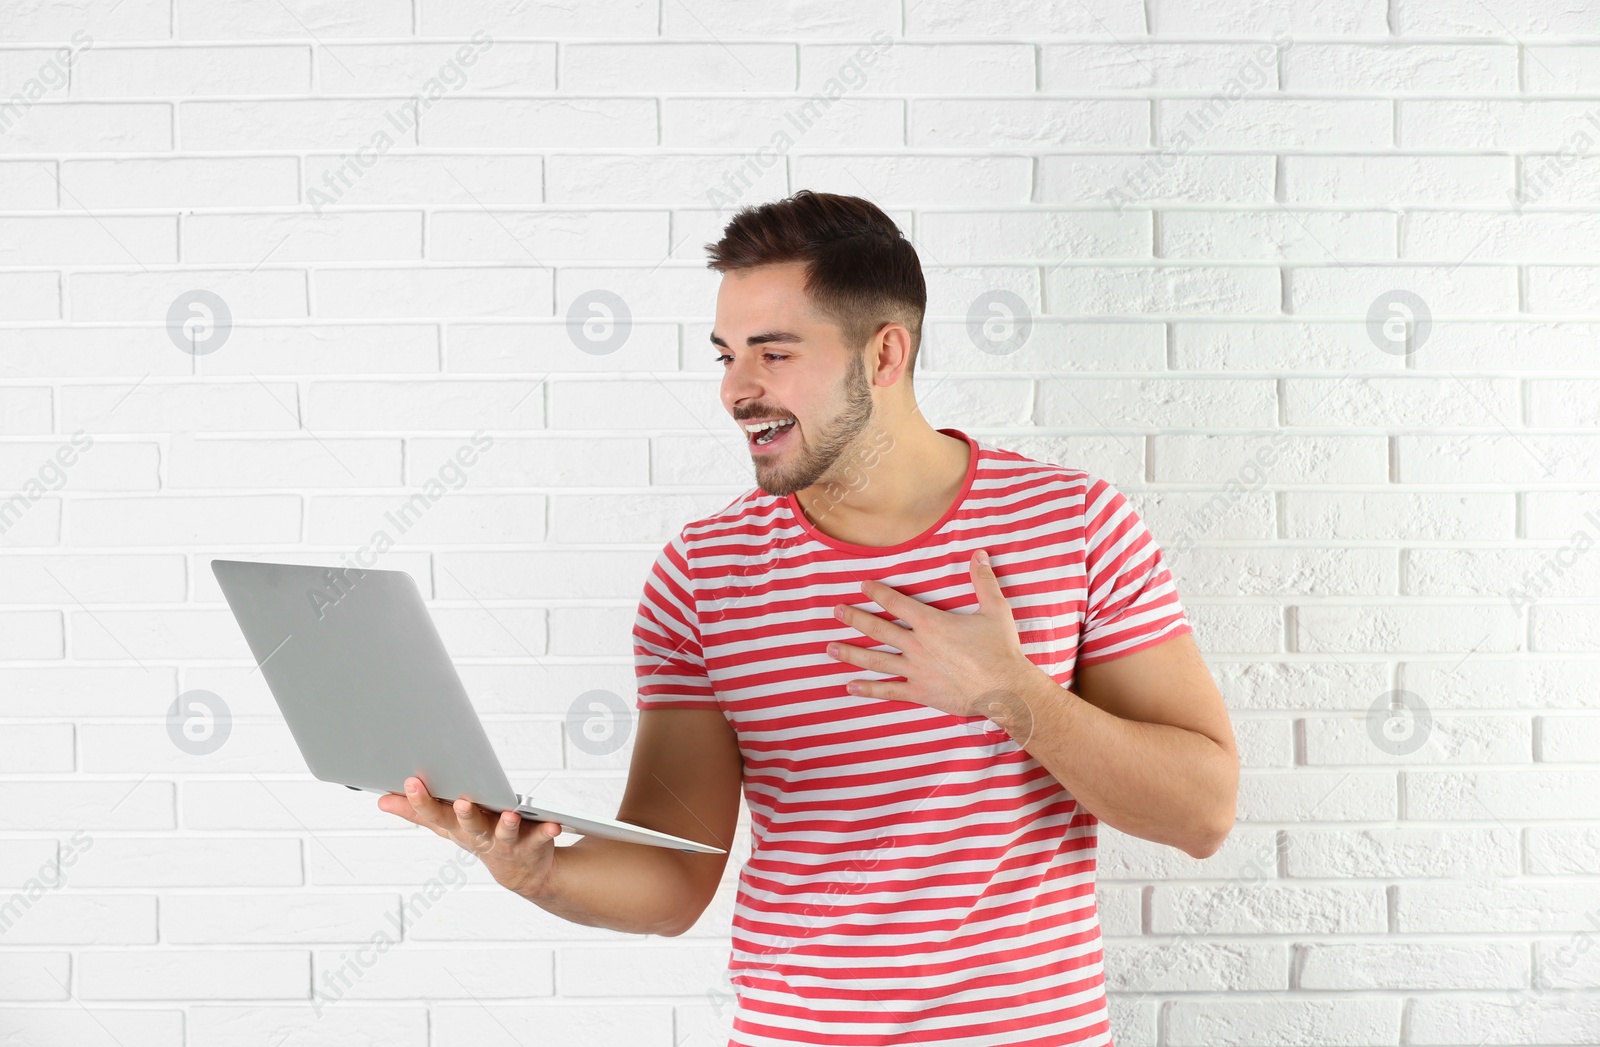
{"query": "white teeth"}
pixel 771 434
pixel 757 427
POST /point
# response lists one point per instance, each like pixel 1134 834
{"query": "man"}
pixel 931 666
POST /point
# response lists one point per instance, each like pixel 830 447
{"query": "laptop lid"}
pixel 364 681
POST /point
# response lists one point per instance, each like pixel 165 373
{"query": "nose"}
pixel 739 384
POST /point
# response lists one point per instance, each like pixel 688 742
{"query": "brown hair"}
pixel 861 271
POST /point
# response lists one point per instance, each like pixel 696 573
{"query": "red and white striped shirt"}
pixel 915 878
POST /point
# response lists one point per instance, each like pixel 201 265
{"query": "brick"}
pixel 301 237
pixel 265 293
pixel 905 68
pixel 781 124
pixel 1391 179
pixel 105 240
pixel 413 68
pixel 209 861
pixel 1166 176
pixel 1236 235
pixel 648 68
pixel 178 181
pixel 437 290
pixel 1434 403
pixel 90 127
pixel 201 21
pixel 417 178
pixel 1530 794
pixel 1018 18
pixel 538 123
pixel 1118 290
pixel 194 974
pixel 548 236
pixel 956 123
pixel 926 179
pixel 1274 123
pixel 1413 852
pixel 137 72
pixel 1401 69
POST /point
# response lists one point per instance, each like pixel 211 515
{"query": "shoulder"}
pixel 747 520
pixel 1077 492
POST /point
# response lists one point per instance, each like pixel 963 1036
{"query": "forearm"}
pixel 628 887
pixel 1150 780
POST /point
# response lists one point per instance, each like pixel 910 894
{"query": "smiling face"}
pixel 781 359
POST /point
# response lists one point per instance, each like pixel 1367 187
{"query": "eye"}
pixel 724 358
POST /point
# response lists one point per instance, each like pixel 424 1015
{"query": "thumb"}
pixel 986 585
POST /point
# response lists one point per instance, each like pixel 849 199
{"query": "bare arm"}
pixel 1143 742
pixel 684 779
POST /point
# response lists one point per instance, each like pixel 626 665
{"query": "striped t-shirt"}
pixel 914 878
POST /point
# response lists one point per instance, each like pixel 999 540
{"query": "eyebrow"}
pixel 760 339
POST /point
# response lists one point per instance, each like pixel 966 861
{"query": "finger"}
pixel 986 585
pixel 904 607
pixel 900 690
pixel 428 809
pixel 865 658
pixel 470 817
pixel 508 828
pixel 397 804
pixel 869 624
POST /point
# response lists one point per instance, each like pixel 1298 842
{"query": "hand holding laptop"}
pixel 519 853
pixel 369 693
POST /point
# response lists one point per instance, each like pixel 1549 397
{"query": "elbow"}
pixel 1221 825
pixel 1210 844
pixel 683 924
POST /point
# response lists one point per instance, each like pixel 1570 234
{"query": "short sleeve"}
pixel 1132 603
pixel 668 662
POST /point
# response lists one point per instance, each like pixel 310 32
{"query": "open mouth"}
pixel 768 438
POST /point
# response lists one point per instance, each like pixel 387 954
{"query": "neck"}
pixel 889 486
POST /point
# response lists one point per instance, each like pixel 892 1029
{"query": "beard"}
pixel 808 461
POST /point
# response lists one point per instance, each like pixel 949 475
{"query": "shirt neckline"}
pixel 793 504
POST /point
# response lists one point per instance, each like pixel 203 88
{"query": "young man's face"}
pixel 798 368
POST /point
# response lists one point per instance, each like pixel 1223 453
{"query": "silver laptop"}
pixel 370 694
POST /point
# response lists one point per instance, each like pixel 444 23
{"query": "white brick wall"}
pixel 1198 205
